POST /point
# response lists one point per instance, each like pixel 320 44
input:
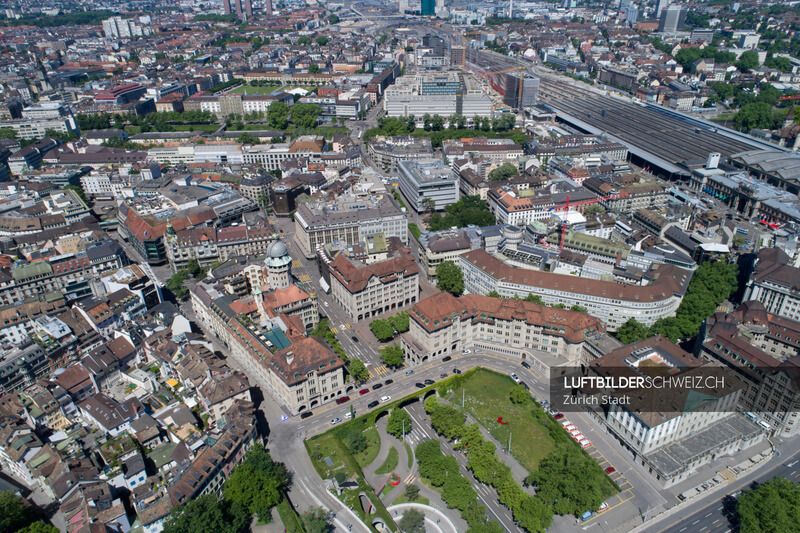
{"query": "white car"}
pixel 385 399
pixel 348 415
pixel 603 507
pixel 336 421
pixel 574 431
pixel 466 352
pixel 585 443
pixel 565 422
pixel 578 437
pixel 326 304
pixel 570 427
pixel 515 378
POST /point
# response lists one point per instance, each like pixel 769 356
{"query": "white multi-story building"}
pixel 666 430
pixel 775 284
pixel 613 303
pixel 428 180
pixel 349 220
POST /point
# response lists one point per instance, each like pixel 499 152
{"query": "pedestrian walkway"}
pixel 378 371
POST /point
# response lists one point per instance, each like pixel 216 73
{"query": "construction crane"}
pixel 520 86
pixel 464 40
pixel 581 203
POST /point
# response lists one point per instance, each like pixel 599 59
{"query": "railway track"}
pixel 660 132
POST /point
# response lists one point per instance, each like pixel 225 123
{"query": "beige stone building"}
pixel 443 325
pixel 367 290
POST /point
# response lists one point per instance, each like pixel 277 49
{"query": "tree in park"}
pixel 356 441
pixel 382 329
pixel 519 395
pixel 322 40
pixel 392 356
pixel 570 481
pixel 278 115
pixel 207 513
pixel 313 68
pixel 316 519
pixel 333 19
pixel 305 115
pixel 771 506
pixel 411 492
pixel 413 521
pixel 503 172
pixel 358 370
pixel 304 40
pixel 399 423
pixel 450 278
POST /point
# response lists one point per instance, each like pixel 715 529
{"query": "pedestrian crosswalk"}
pixel 410 478
pixel 377 371
pixel 297 264
pixel 417 435
pixel 305 278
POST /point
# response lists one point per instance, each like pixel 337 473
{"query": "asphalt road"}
pixel 710 514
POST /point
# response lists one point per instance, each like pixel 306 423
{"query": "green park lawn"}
pixel 390 463
pixel 373 447
pixel 486 397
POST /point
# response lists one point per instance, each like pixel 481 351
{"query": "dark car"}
pixel 388 382
pixel 419 385
pixel 524 385
pixel 355 339
pixel 443 375
pixel 343 399
pixel 362 392
pixel 429 382
pixel 446 358
pixel 610 470
pixel 456 371
pixel 306 414
pixel 372 405
pixel 526 364
pixel 377 386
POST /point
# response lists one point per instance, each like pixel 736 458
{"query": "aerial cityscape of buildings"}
pixel 425 265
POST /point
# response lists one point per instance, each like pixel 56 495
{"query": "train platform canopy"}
pixel 781 167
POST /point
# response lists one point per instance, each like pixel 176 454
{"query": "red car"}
pixel 559 416
pixel 610 470
pixel 343 399
pixel 362 392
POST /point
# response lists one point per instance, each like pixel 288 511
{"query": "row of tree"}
pixel 711 284
pixel 433 127
pixel 530 511
pixel 355 367
pixel 302 115
pixel 457 492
